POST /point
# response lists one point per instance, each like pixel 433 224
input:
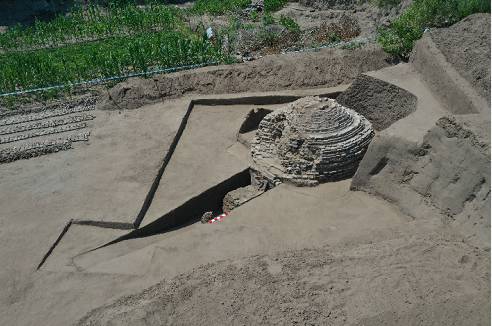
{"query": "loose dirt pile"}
pixel 455 63
pixel 331 4
pixel 425 279
pixel 366 13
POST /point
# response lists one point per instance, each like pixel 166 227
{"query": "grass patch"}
pixel 290 24
pixel 274 5
pixel 399 38
pixel 268 19
pixel 219 7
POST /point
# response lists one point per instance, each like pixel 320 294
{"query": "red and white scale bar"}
pixel 218 218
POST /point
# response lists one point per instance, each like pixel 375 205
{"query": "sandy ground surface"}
pixel 428 108
pixel 425 279
pixel 210 134
pixel 123 150
pixel 105 179
pixel 238 291
pixel 39 195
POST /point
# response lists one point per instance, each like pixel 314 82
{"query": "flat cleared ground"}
pixel 93 181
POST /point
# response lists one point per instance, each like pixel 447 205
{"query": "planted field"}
pixel 218 7
pixel 110 41
pixel 111 57
pixel 100 42
pixel 93 23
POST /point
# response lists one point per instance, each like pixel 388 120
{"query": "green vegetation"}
pixel 351 45
pixel 254 16
pixel 110 38
pixel 399 38
pixel 290 24
pixel 111 57
pixel 95 23
pixel 268 19
pixel 219 7
pixel 274 5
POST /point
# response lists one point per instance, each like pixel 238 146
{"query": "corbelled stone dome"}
pixel 311 140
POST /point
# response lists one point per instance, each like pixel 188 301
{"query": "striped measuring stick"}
pixel 218 218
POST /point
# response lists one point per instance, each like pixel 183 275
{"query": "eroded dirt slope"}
pixel 448 172
pixel 466 45
pixel 326 68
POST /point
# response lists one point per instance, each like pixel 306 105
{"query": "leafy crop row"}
pixel 110 38
pixel 274 5
pixel 220 7
pixel 91 23
pixel 111 57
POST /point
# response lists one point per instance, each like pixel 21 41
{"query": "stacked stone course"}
pixel 312 140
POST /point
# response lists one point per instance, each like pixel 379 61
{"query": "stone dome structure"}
pixel 311 140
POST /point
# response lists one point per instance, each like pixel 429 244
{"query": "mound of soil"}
pixel 326 68
pixel 449 173
pixel 436 280
pixel 466 45
pixel 378 101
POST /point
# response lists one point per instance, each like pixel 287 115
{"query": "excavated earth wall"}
pixel 455 63
pixel 378 101
pixel 448 172
pixel 325 68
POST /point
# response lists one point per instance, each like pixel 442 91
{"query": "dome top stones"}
pixel 311 140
